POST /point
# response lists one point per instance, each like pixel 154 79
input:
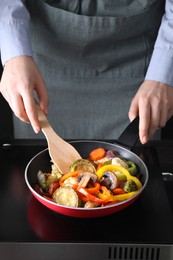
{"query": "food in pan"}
pixel 103 179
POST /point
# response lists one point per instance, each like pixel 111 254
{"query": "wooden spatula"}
pixel 62 153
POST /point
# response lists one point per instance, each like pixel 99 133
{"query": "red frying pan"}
pixel 123 146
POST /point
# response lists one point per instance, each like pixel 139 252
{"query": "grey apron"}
pixel 93 56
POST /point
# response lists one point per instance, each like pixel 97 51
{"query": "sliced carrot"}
pixel 118 191
pixel 97 154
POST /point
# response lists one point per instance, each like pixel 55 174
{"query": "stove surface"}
pixel 144 230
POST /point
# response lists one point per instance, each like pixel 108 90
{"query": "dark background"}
pixel 6 120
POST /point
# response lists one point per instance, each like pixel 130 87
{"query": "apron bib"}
pixel 93 56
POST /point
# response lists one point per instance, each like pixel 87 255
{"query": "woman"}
pixel 95 60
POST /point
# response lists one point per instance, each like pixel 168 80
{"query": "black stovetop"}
pixel 142 231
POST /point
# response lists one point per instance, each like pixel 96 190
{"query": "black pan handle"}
pixel 130 135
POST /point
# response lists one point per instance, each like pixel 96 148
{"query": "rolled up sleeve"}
pixel 14 30
pixel 161 63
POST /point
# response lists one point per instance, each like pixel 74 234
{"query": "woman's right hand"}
pixel 20 78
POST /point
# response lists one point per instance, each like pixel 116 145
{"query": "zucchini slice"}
pixel 84 165
pixel 67 196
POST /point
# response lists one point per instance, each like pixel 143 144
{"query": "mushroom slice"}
pixel 104 160
pixel 85 177
pixel 109 180
pixel 119 162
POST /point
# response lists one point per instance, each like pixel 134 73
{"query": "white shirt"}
pixel 15 41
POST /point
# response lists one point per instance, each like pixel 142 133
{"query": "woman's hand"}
pixel 20 78
pixel 154 104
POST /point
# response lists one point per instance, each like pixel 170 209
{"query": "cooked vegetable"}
pixel 97 154
pixel 99 166
pixel 66 196
pixel 104 179
pixel 55 171
pixel 71 181
pixel 53 186
pixel 42 177
pixel 102 199
pixel 103 161
pixel 94 189
pixel 85 177
pixel 91 204
pixel 68 175
pixel 115 168
pixel 118 191
pixel 45 180
pixel 122 197
pixel 109 180
pixel 132 168
pixel 130 186
pixel 121 176
pixel 104 194
pixel 52 177
pixel 83 165
pixel 111 154
pixel 119 162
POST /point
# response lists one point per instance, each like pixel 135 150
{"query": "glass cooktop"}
pixel 28 230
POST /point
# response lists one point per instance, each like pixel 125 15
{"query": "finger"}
pixel 155 116
pixel 164 116
pixel 31 111
pixel 159 115
pixel 144 122
pixel 42 95
pixel 133 111
pixel 16 104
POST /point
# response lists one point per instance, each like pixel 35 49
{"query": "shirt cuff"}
pixel 14 41
pixel 161 66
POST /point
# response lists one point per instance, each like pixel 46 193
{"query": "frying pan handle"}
pixel 130 135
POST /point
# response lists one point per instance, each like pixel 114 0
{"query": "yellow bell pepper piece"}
pixel 116 168
pixel 105 194
pixel 124 196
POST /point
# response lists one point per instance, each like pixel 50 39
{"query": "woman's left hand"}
pixel 153 103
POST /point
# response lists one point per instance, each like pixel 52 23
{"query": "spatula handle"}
pixel 44 123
